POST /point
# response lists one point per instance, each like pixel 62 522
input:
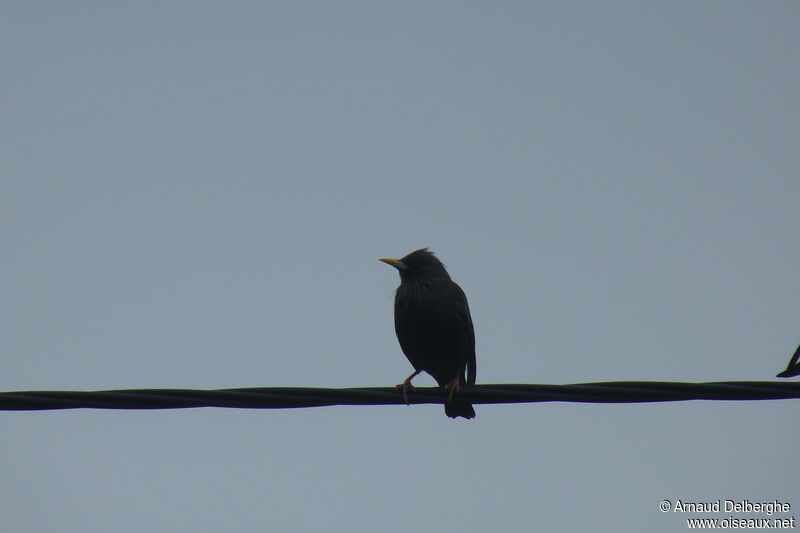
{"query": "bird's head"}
pixel 419 265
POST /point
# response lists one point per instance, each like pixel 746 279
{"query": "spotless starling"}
pixel 434 327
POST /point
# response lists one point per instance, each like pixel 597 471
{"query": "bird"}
pixel 434 327
pixel 793 368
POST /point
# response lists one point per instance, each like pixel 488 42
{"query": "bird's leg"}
pixel 407 386
pixel 454 386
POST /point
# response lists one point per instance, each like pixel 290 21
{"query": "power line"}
pixel 292 397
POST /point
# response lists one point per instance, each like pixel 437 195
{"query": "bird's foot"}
pixel 454 386
pixel 406 386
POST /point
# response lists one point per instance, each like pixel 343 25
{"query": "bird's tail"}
pixel 455 408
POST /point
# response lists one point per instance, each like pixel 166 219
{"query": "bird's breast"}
pixel 432 330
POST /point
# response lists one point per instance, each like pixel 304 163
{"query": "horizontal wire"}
pixel 290 397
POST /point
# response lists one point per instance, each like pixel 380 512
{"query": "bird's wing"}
pixel 463 310
pixel 472 369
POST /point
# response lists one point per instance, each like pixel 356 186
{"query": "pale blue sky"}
pixel 195 195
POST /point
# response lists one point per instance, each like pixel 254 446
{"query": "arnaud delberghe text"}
pixel 732 506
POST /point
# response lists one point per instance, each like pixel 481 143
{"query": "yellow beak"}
pixel 399 265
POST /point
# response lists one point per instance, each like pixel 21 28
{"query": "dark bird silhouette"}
pixel 793 368
pixel 434 327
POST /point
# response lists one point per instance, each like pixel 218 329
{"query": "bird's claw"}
pixel 454 386
pixel 405 386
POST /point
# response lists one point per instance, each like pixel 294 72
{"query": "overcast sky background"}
pixel 195 195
